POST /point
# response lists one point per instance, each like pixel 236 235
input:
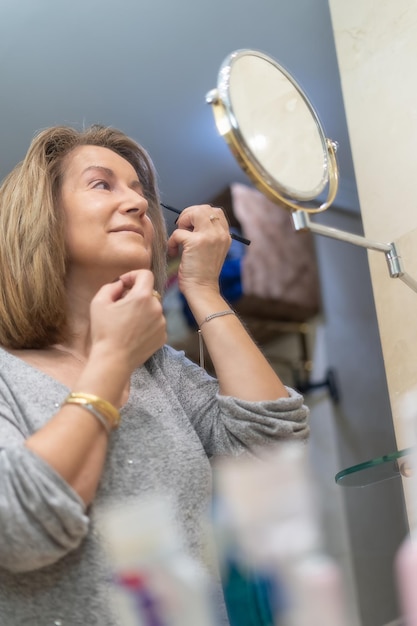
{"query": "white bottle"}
pixel 270 504
pixel 319 599
pixel 156 582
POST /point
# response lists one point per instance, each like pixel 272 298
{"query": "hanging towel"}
pixel 280 264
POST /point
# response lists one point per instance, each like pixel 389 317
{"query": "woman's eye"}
pixel 101 184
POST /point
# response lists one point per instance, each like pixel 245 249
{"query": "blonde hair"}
pixel 32 244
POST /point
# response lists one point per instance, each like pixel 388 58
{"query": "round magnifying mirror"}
pixel 273 131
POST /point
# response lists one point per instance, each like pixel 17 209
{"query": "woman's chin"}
pixel 134 261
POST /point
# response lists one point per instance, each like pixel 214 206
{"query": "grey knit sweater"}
pixel 52 568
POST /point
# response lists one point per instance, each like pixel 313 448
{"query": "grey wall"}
pixel 360 428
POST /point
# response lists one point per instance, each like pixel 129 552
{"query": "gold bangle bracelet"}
pixel 95 404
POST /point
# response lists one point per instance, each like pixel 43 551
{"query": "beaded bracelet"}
pixel 104 411
pixel 219 314
pixel 200 337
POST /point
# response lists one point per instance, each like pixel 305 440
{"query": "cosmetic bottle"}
pixel 267 528
pixel 155 581
pixel 406 577
pixel 405 564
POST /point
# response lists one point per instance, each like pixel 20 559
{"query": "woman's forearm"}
pixel 74 442
pixel 241 368
pixel 75 447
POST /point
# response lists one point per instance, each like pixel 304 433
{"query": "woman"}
pixel 82 258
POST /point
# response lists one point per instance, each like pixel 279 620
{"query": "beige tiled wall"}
pixel 376 45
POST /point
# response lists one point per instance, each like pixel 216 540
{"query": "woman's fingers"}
pixel 201 216
pixel 135 281
pixel 128 315
pixel 199 226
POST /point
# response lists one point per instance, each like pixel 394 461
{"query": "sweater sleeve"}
pixel 41 516
pixel 229 425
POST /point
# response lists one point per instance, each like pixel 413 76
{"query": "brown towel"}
pixel 280 263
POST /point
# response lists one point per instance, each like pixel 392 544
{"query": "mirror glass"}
pixel 272 128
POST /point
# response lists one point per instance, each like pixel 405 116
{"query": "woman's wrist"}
pixel 105 412
pixel 196 293
pixel 202 308
pixel 213 316
pixel 105 374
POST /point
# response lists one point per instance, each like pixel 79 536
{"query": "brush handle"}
pixel 233 236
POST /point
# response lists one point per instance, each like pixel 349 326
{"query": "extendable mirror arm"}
pixel 301 220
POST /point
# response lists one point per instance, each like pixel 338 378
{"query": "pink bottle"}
pixel 406 576
pixel 405 564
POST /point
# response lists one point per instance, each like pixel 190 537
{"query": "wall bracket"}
pixel 301 220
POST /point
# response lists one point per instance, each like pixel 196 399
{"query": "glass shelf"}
pixel 376 470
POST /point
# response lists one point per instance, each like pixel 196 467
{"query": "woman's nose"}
pixel 133 202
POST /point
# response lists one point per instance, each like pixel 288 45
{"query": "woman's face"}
pixel 108 231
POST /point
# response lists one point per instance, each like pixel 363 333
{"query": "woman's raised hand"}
pixel 203 237
pixel 127 318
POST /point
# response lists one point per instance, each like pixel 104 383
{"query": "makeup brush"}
pixel 233 236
